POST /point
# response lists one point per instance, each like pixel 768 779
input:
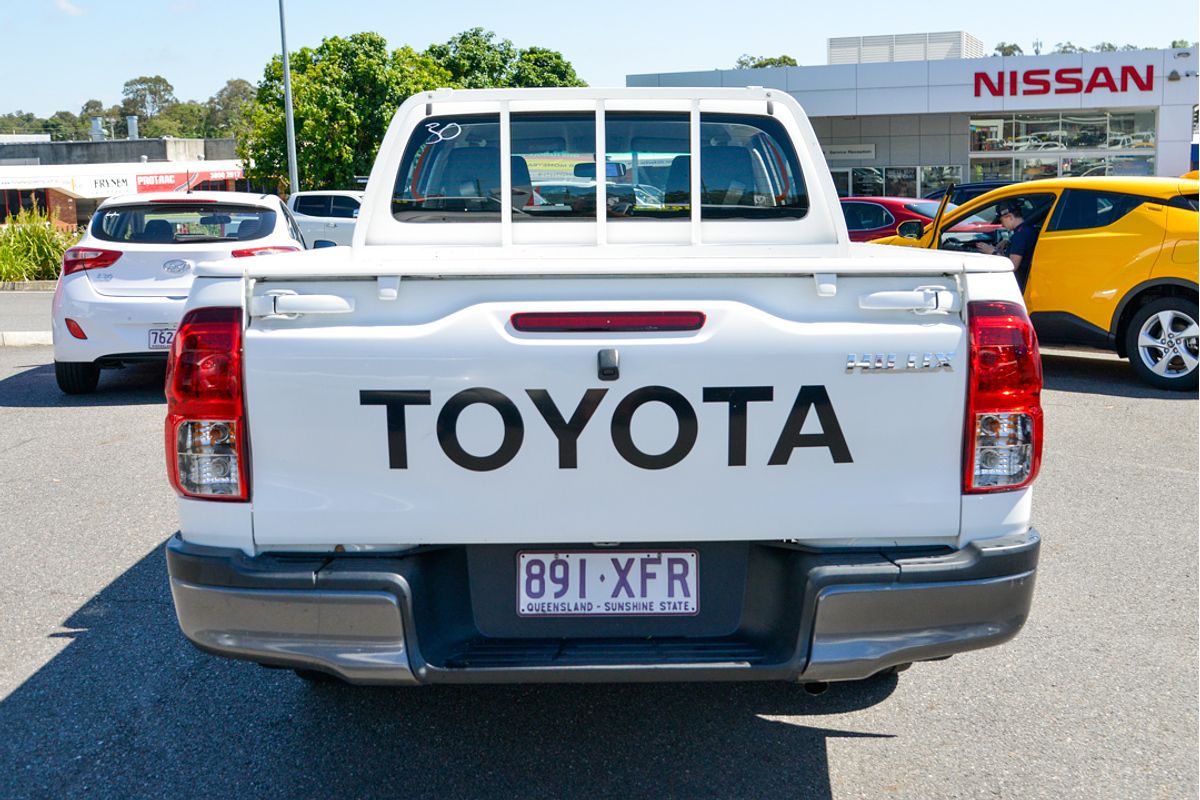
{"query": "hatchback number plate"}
pixel 161 338
pixel 608 583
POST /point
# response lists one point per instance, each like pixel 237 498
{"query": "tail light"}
pixel 80 258
pixel 75 329
pixel 205 427
pixel 264 251
pixel 1004 411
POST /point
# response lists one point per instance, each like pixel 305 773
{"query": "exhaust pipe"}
pixel 815 688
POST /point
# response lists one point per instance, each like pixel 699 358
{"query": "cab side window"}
pixel 344 207
pixel 313 205
pixel 1082 209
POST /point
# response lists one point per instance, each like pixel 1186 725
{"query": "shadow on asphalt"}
pixel 129 708
pixel 33 386
pixel 1102 376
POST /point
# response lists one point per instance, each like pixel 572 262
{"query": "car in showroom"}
pixel 1114 265
pixel 122 288
pixel 327 215
pixel 870 218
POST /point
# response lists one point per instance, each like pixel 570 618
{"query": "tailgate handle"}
pixel 286 303
pixel 922 300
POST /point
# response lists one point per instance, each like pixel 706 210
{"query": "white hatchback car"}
pixel 122 289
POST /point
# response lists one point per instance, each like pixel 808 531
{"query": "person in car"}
pixel 1019 246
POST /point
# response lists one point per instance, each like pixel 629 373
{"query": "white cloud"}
pixel 67 7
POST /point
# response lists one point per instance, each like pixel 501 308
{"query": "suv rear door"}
pixel 325 216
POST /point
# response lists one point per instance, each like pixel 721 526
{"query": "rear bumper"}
pixel 118 328
pixel 433 616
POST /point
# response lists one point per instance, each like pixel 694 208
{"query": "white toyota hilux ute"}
pixel 696 436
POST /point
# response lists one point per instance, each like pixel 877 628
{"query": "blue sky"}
pixel 59 53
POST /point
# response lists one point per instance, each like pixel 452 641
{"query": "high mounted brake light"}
pixel 611 322
pixel 1003 443
pixel 205 426
pixel 264 251
pixel 78 259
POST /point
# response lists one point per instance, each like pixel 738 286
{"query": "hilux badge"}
pixel 888 362
pixel 176 266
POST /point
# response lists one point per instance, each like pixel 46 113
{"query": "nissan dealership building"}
pixel 890 126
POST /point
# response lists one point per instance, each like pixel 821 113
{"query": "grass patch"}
pixel 32 245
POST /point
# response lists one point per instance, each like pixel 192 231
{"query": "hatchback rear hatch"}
pixel 162 240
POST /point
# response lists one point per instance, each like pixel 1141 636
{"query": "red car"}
pixel 872 217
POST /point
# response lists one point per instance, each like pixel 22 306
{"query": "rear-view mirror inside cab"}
pixel 587 169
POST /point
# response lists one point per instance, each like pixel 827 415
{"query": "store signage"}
pixel 179 181
pixel 848 150
pixel 1069 80
pixel 102 185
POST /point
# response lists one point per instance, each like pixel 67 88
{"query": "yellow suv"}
pixel 1113 265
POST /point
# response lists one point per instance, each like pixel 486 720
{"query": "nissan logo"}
pixel 177 266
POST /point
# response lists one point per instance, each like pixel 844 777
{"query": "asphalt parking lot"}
pixel 100 695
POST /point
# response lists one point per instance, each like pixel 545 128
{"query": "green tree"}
pixel 1178 44
pixel 226 108
pixel 1009 49
pixel 1068 47
pixel 761 62
pixel 344 94
pixel 187 120
pixel 474 59
pixel 477 60
pixel 147 95
pixel 537 66
pixel 1105 47
pixel 65 126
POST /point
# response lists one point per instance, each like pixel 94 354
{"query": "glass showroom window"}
pixel 1131 129
pixel 841 181
pixel 900 181
pixel 1032 169
pixel 991 169
pixel 988 134
pixel 1131 165
pixel 1038 132
pixel 1085 167
pixel 867 181
pixel 1085 130
pixel 934 178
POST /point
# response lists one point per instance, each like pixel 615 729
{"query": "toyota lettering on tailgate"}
pixel 567 430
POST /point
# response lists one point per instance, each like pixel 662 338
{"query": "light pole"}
pixel 293 176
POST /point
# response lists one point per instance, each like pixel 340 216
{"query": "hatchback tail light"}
pixel 264 251
pixel 80 258
pixel 205 426
pixel 1004 412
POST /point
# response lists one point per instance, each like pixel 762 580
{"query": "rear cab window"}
pixel 182 223
pixel 450 170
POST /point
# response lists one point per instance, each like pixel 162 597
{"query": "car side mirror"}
pixel 911 229
pixel 320 244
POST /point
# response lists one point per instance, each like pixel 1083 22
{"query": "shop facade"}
pixel 73 191
pixel 909 128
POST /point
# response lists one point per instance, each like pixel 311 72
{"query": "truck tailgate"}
pixel 429 418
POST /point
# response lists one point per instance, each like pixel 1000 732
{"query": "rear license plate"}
pixel 161 338
pixel 609 583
